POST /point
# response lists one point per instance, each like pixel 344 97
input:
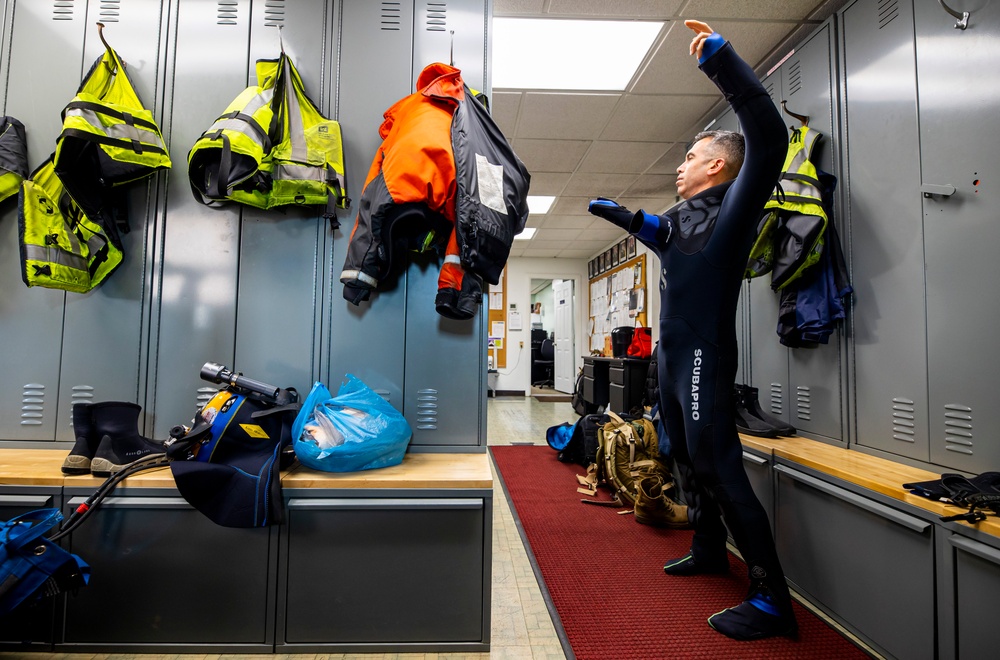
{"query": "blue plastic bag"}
pixel 355 430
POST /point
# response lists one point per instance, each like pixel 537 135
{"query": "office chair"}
pixel 544 364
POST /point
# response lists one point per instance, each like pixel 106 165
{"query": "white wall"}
pixel 520 271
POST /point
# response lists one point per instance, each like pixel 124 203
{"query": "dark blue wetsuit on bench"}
pixel 703 244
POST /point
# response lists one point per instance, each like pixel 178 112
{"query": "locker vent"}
pixel 770 90
pixel 803 403
pixel 958 428
pixel 32 404
pixel 81 394
pixel 109 10
pixel 777 399
pixel 903 425
pixel 227 12
pixel 887 11
pixel 437 16
pixel 63 10
pixel 427 410
pixel 794 77
pixel 274 13
pixel 391 16
pixel 205 395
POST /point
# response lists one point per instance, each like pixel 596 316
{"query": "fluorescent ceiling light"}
pixel 540 203
pixel 525 234
pixel 543 53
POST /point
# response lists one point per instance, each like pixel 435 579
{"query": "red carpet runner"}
pixel 604 573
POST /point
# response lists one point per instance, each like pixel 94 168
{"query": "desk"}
pixel 616 383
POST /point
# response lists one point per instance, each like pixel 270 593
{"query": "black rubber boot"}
pixel 83 452
pixel 116 424
pixel 747 423
pixel 750 403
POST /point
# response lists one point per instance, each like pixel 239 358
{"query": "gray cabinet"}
pixel 385 570
pixel 164 574
pixel 867 563
pixel 975 569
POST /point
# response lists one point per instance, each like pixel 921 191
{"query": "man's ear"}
pixel 717 166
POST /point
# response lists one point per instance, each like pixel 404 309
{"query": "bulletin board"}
pixel 497 323
pixel 618 296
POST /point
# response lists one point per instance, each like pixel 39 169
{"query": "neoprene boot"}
pixel 750 403
pixel 116 424
pixel 765 613
pixel 747 423
pixel 83 451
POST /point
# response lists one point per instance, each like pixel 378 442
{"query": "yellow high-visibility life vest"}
pixel 271 147
pixel 790 237
pixel 13 156
pixel 61 248
pixel 108 138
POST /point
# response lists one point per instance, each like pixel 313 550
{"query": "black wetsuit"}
pixel 703 244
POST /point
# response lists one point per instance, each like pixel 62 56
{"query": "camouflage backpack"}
pixel 627 451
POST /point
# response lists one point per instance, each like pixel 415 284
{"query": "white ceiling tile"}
pixel 648 204
pixel 671 160
pixel 590 245
pixel 617 8
pixel 505 7
pixel 568 205
pixel 563 236
pixel 540 252
pixel 550 155
pixel 564 116
pixel 655 118
pixel 623 157
pixel 598 185
pixel 505 108
pixel 575 252
pixel 652 185
pixel 548 183
pixel 568 221
pixel 516 250
pixel 606 234
pixel 672 70
pixel 779 9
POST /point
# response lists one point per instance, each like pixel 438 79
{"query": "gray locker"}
pixel 280 282
pixel 444 370
pixel 196 289
pixel 376 47
pixel 768 358
pixel 101 359
pixel 37 34
pixel 957 112
pixel 815 375
pixel 887 237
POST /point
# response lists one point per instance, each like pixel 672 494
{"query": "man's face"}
pixel 699 170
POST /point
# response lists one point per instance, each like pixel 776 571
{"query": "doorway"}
pixel 552 314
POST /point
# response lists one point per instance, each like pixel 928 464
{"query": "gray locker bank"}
pixel 260 292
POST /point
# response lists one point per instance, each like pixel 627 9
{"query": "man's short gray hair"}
pixel 726 145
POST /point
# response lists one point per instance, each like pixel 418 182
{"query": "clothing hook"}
pixel 451 56
pixel 963 18
pixel 802 118
pixel 281 43
pixel 100 33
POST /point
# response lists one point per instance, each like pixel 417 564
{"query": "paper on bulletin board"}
pixel 497 330
pixel 515 320
pixel 496 300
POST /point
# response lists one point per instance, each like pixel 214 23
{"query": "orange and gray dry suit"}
pixel 443 177
pixel 68 212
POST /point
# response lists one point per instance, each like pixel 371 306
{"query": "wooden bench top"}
pixel 41 467
pixel 872 472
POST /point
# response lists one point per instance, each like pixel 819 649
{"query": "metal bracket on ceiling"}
pixel 963 17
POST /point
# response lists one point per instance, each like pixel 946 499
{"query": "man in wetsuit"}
pixel 703 244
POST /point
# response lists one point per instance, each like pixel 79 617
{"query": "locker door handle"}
pixel 37 501
pixel 930 189
pixel 976 548
pixel 756 460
